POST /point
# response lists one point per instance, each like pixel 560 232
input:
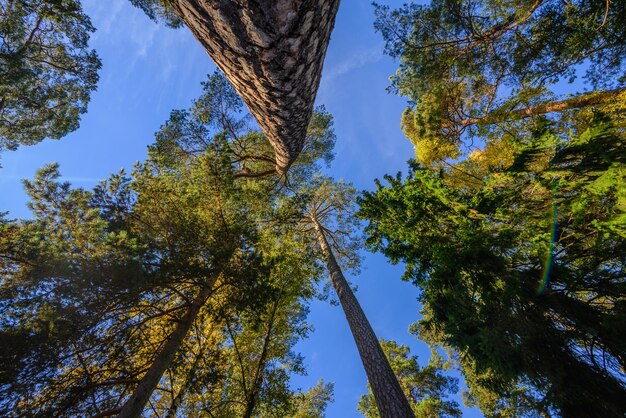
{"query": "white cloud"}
pixel 103 14
pixel 351 63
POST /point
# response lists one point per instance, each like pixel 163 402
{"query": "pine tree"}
pixel 521 275
pixel 272 54
pixel 474 68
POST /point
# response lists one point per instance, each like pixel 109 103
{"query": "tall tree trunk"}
pixel 272 53
pixel 577 102
pixel 138 400
pixel 391 401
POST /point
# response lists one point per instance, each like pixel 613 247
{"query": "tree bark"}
pixel 577 102
pixel 138 400
pixel 272 53
pixel 391 401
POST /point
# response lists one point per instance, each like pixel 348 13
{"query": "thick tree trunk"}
pixel 391 401
pixel 138 400
pixel 577 102
pixel 272 53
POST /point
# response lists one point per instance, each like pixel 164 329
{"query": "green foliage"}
pixel 47 71
pixel 466 65
pixel 58 274
pixel 426 388
pixel 217 121
pixel 159 11
pixel 313 403
pixel 94 286
pixel 523 275
pixel 331 204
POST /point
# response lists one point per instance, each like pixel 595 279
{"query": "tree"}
pixel 272 54
pixel 262 337
pixel 60 272
pixel 47 71
pixel 312 404
pixel 468 67
pixel 203 231
pixel 189 211
pixel 523 275
pixel 325 210
pixel 426 388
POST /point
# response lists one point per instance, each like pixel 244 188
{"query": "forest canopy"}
pixel 183 286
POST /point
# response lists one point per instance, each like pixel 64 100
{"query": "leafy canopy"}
pixel 523 274
pixel 467 65
pixel 47 71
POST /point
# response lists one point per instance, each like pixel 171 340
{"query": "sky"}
pixel 149 70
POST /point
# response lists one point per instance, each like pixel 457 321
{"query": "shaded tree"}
pixel 47 71
pixel 522 276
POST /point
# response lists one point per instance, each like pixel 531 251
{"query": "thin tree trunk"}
pixel 258 378
pixel 272 53
pixel 391 401
pixel 184 388
pixel 138 400
pixel 577 102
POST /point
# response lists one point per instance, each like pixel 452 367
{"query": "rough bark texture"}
pixel 138 400
pixel 272 53
pixel 391 401
pixel 577 102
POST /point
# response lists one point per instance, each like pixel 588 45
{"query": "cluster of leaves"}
pixel 470 66
pixel 159 11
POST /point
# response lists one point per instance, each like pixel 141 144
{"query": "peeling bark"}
pixel 272 53
pixel 391 401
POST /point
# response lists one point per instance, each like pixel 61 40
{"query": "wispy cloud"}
pixel 103 14
pixel 142 35
pixel 353 62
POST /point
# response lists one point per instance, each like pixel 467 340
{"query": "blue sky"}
pixel 148 70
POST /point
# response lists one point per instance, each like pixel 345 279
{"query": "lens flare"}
pixel 548 265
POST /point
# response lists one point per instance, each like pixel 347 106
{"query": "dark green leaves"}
pixel 47 71
pixel 524 276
